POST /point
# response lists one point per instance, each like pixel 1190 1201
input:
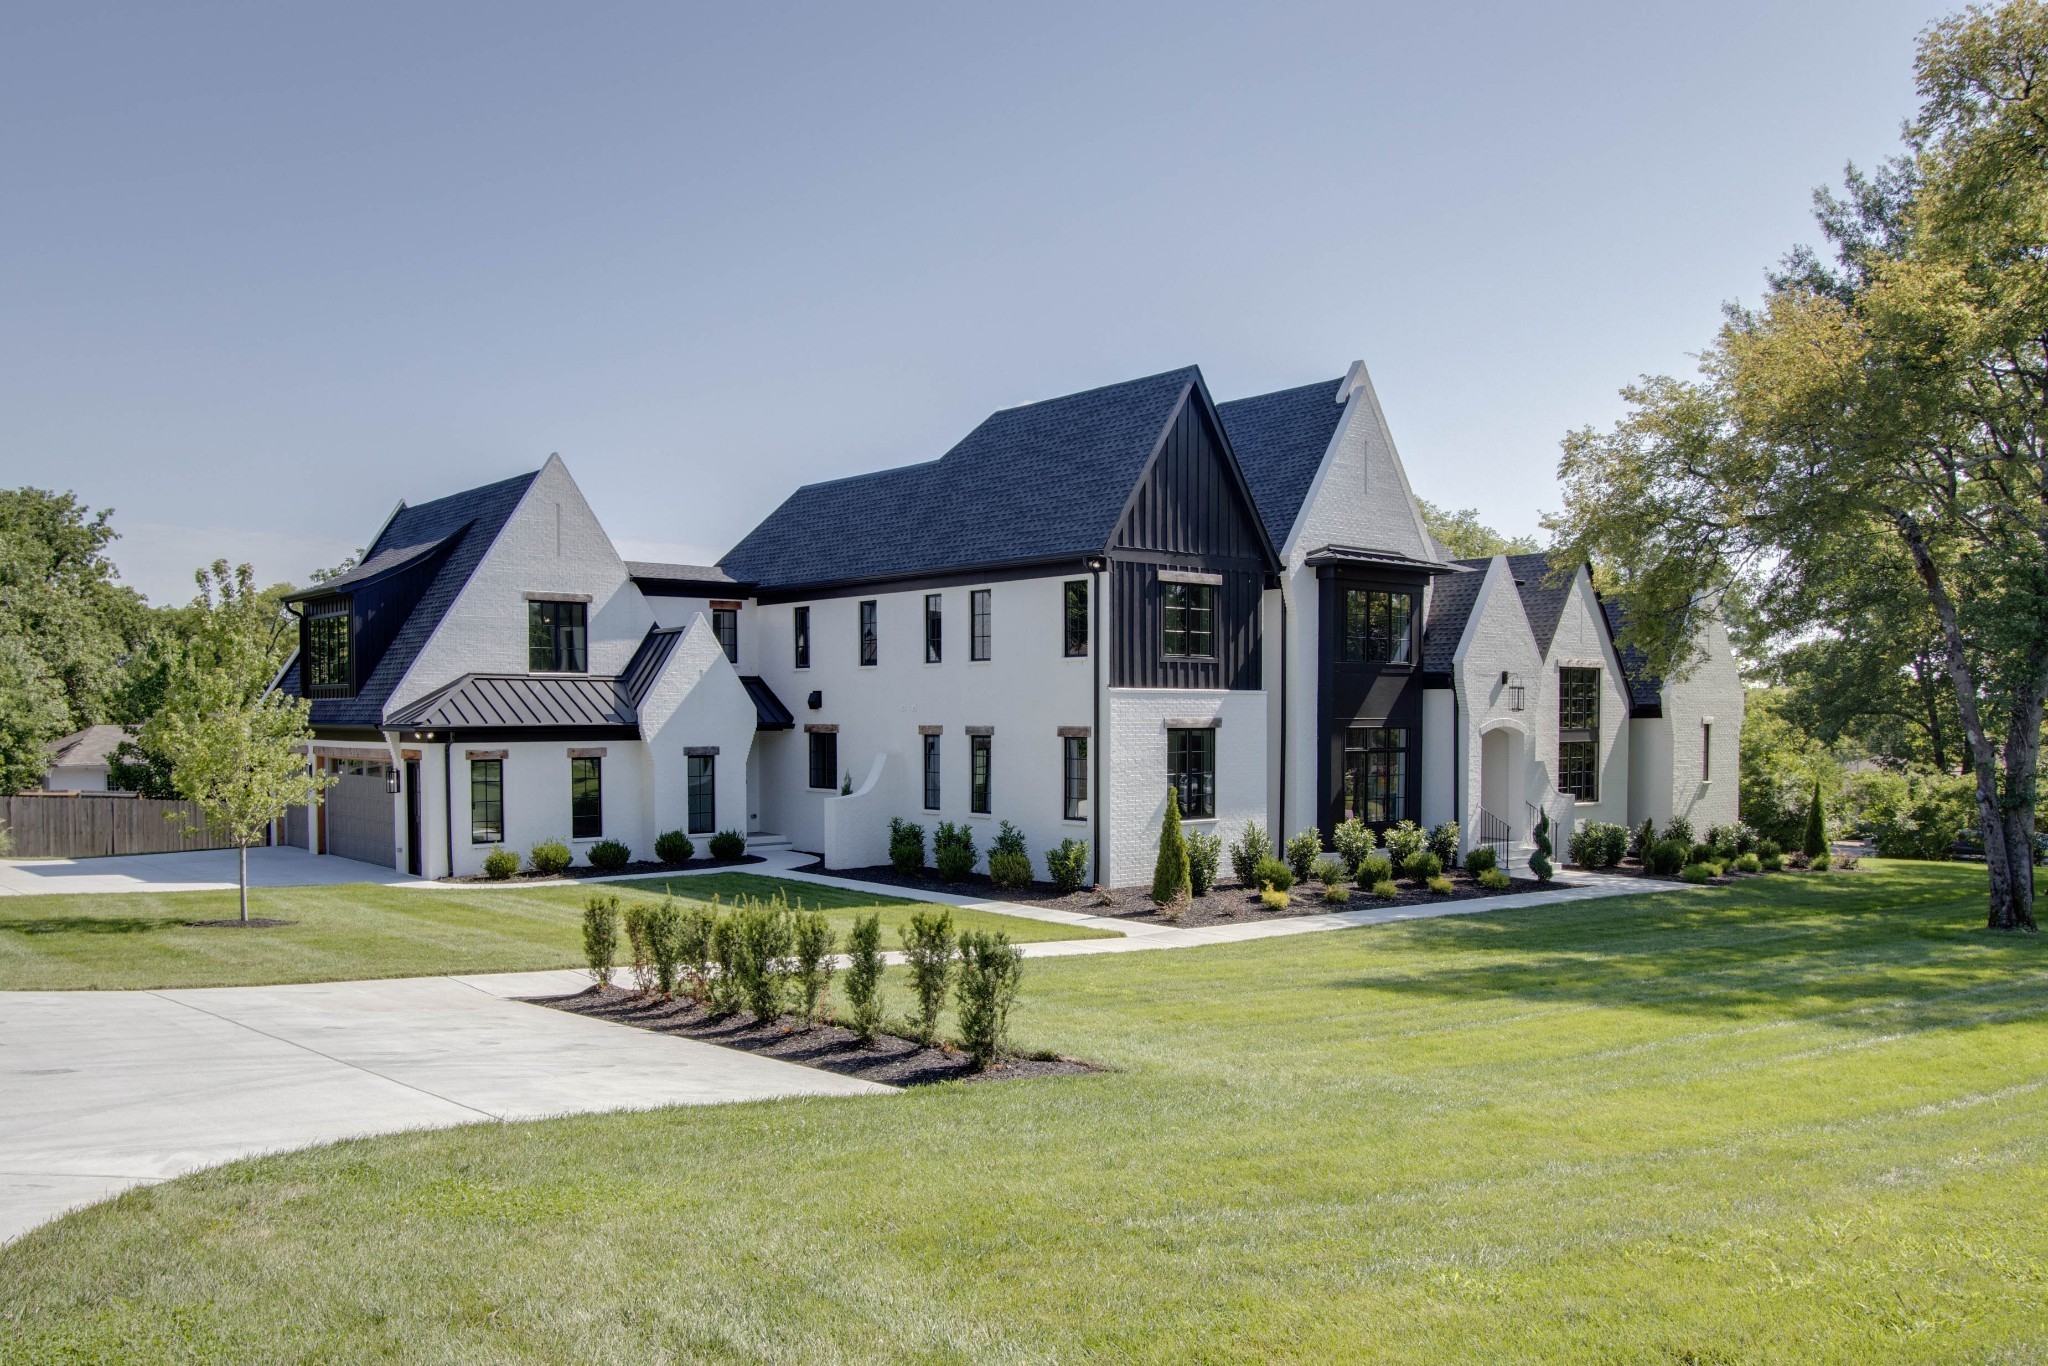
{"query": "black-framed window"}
pixel 1075 601
pixel 1378 626
pixel 931 772
pixel 980 756
pixel 1191 769
pixel 329 649
pixel 725 624
pixel 934 627
pixel 1074 763
pixel 824 759
pixel 801 620
pixel 870 638
pixel 979 612
pixel 586 799
pixel 555 636
pixel 1376 774
pixel 1578 733
pixel 1189 617
pixel 1706 751
pixel 486 801
pixel 703 793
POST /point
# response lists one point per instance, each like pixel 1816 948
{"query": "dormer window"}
pixel 556 632
pixel 330 656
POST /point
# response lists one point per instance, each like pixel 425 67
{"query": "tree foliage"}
pixel 1464 537
pixel 1875 426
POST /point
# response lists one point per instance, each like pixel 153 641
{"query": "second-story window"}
pixel 978 632
pixel 870 641
pixel 1578 733
pixel 329 667
pixel 1377 626
pixel 1190 620
pixel 1075 593
pixel 802 618
pixel 725 624
pixel 934 627
pixel 555 636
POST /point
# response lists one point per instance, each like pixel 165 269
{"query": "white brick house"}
pixel 1084 602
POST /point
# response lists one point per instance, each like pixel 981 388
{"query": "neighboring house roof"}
pixel 1043 482
pixel 1645 689
pixel 88 748
pixel 649 575
pixel 1280 439
pixel 1450 606
pixel 466 523
pixel 769 713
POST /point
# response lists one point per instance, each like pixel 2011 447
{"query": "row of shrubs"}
pixel 551 858
pixel 1673 851
pixel 1009 858
pixel 771 960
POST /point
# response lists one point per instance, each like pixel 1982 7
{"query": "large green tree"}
pixel 1884 406
pixel 1464 537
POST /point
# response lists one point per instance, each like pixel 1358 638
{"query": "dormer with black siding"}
pixel 347 624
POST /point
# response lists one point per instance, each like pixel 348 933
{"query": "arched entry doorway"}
pixel 1502 748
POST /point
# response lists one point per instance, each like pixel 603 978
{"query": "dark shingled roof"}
pixel 473 520
pixel 649 574
pixel 1543 603
pixel 388 559
pixel 1041 482
pixel 1645 689
pixel 1449 608
pixel 1280 439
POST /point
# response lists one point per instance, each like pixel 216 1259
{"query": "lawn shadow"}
pixel 92 924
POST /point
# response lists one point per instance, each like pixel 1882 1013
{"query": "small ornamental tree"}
pixel 990 967
pixel 601 937
pixel 1170 874
pixel 1816 841
pixel 1539 862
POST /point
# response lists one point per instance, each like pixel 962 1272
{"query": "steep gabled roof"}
pixel 650 576
pixel 1450 606
pixel 1043 482
pixel 1542 601
pixel 466 523
pixel 1645 689
pixel 1280 439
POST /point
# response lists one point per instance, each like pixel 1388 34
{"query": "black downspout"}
pixel 1457 763
pixel 1095 617
pixel 448 799
pixel 1279 837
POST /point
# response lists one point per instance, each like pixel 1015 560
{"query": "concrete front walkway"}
pixel 110 1089
pixel 203 870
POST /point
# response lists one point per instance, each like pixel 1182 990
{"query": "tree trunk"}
pixel 1930 702
pixel 2022 764
pixel 242 852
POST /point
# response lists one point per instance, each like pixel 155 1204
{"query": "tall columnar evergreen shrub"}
pixel 1816 842
pixel 1247 851
pixel 726 995
pixel 763 942
pixel 664 942
pixel 812 944
pixel 635 921
pixel 695 954
pixel 1170 872
pixel 1204 853
pixel 1645 835
pixel 990 968
pixel 601 937
pixel 1009 858
pixel 928 954
pixel 864 975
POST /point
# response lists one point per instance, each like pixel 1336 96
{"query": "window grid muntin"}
pixel 800 622
pixel 824 759
pixel 1376 774
pixel 586 799
pixel 931 773
pixel 329 647
pixel 1578 733
pixel 1191 770
pixel 557 634
pixel 1075 603
pixel 703 789
pixel 870 635
pixel 486 801
pixel 725 624
pixel 1378 626
pixel 1075 763
pixel 1188 620
pixel 979 627
pixel 981 758
pixel 934 628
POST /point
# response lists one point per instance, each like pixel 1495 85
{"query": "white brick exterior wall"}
pixel 1670 775
pixel 1136 779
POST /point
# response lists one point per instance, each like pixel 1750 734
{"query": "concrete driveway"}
pixel 203 870
pixel 107 1090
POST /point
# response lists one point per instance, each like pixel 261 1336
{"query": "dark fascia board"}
pixel 350 734
pixel 1649 711
pixel 1198 387
pixel 1437 678
pixel 473 734
pixel 692 588
pixel 1337 556
pixel 994 572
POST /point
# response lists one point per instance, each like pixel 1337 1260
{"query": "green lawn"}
pixel 1798 1119
pixel 143 939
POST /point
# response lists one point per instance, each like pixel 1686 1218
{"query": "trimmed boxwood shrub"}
pixel 1329 871
pixel 1204 853
pixel 500 864
pixel 1247 850
pixel 1336 893
pixel 1423 866
pixel 1599 844
pixel 1482 860
pixel 1665 858
pixel 1700 853
pixel 1698 872
pixel 1302 852
pixel 953 851
pixel 1439 884
pixel 1375 869
pixel 1494 880
pixel 728 845
pixel 906 847
pixel 1747 863
pixel 1009 870
pixel 609 856
pixel 673 846
pixel 1273 874
pixel 549 858
pixel 1386 889
pixel 1274 898
pixel 1067 865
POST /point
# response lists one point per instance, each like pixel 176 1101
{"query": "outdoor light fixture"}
pixel 391 782
pixel 817 700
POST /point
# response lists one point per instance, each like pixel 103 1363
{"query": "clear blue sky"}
pixel 266 270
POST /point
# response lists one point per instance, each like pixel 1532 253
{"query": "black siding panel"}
pixel 1350 693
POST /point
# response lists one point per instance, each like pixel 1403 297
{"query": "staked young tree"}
pixel 1883 411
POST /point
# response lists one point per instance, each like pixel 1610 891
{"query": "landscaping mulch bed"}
pixel 637 868
pixel 1228 904
pixel 890 1059
pixel 254 922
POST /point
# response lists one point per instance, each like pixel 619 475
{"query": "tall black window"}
pixel 1076 594
pixel 978 624
pixel 1375 774
pixel 329 667
pixel 554 637
pixel 934 627
pixel 824 758
pixel 1578 733
pixel 978 755
pixel 1191 770
pixel 1706 751
pixel 725 624
pixel 870 643
pixel 931 772
pixel 1190 618
pixel 486 801
pixel 802 617
pixel 1076 777
pixel 703 793
pixel 586 799
pixel 1378 626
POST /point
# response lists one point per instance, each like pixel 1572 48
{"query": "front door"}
pixel 412 817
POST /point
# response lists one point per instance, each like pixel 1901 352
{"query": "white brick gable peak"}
pixel 1361 454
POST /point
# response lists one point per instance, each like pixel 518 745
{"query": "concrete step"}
pixel 764 840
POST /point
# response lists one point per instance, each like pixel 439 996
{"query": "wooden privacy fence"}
pixel 95 824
